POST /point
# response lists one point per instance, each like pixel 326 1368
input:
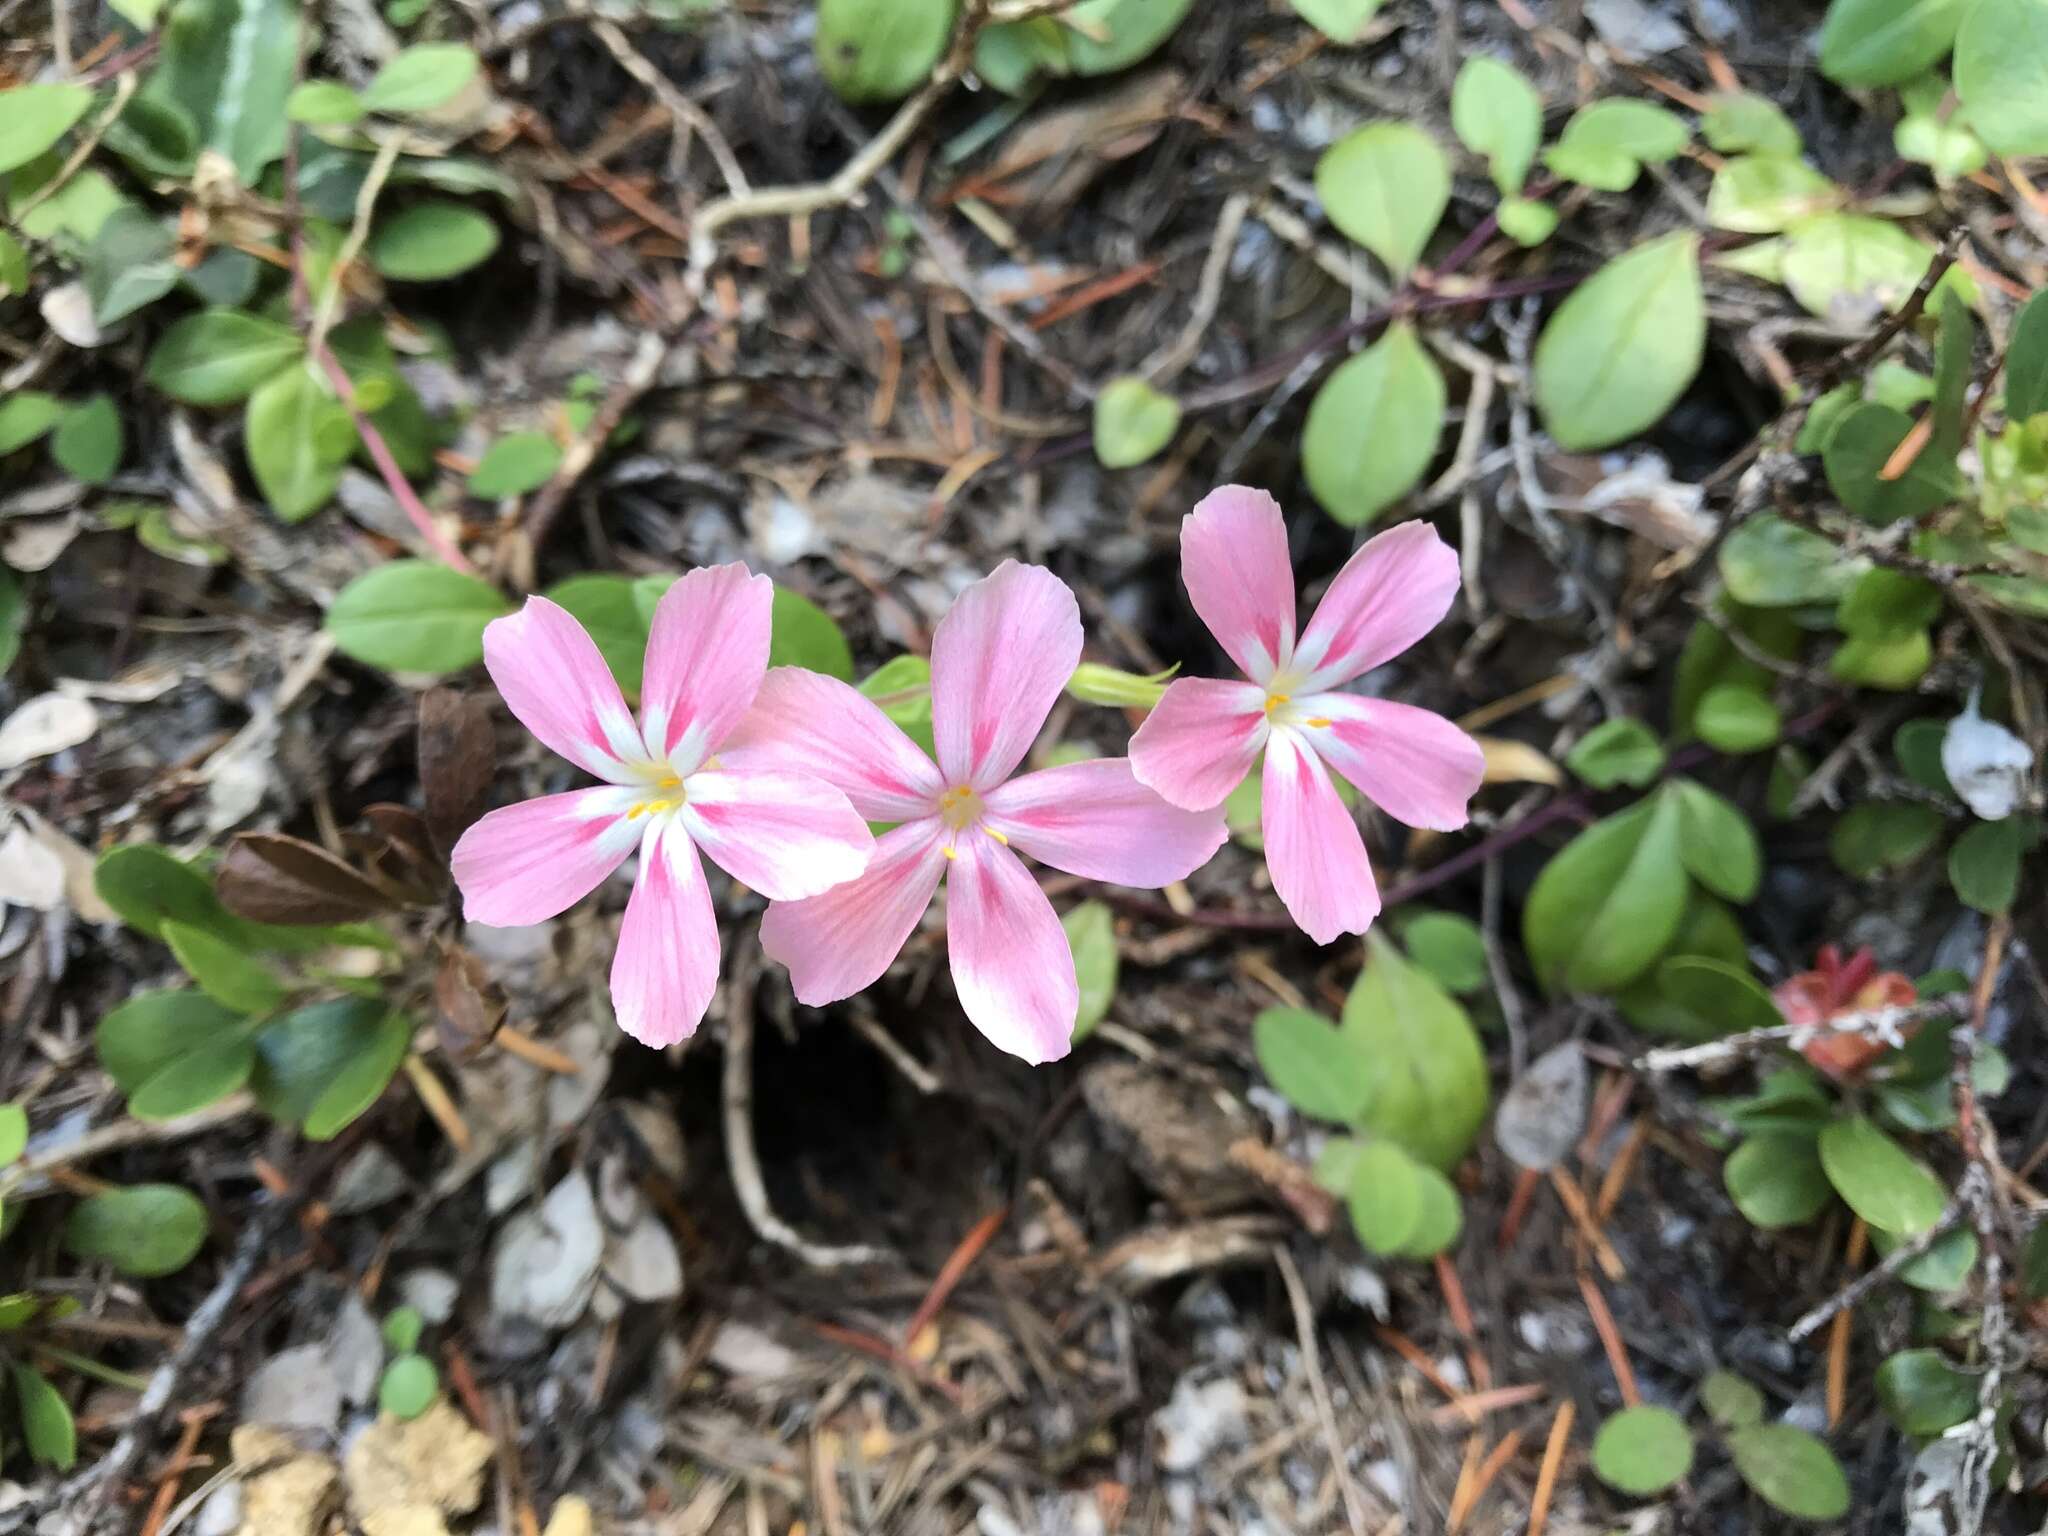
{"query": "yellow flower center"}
pixel 671 798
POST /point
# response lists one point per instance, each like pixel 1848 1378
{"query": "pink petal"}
pixel 1095 820
pixel 787 835
pixel 529 862
pixel 1395 590
pixel 804 723
pixel 666 967
pixel 1200 740
pixel 1233 557
pixel 842 941
pixel 554 680
pixel 999 661
pixel 1313 850
pixel 1012 965
pixel 706 654
pixel 1414 765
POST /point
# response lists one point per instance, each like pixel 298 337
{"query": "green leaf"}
pixel 1526 222
pixel 1885 602
pixel 902 687
pixel 801 634
pixel 1730 1401
pixel 1884 42
pixel 74 213
pixel 1770 563
pixel 192 1081
pixel 1341 21
pixel 1429 1084
pixel 1849 267
pixel 881 50
pixel 2026 360
pixel 1891 661
pixel 223 972
pixel 1943 1268
pixel 1716 841
pixel 1314 1065
pixel 515 464
pixel 88 441
pixel 1720 995
pixel 1440 1217
pixel 229 65
pixel 1385 186
pixel 408 1387
pixel 147 887
pixel 1878 1179
pixel 1133 422
pixel 1607 904
pixel 1790 1100
pixel 1623 347
pixel 1497 114
pixel 1642 1450
pixel 1606 143
pixel 2001 60
pixel 1763 194
pixel 129 264
pixel 1741 122
pixel 414 616
pixel 1618 751
pixel 1917 746
pixel 145 1230
pixel 1091 935
pixel 25 416
pixel 324 103
pixel 13 1132
pixel 13 617
pixel 1923 1394
pixel 155 136
pixel 402 1330
pixel 1397 386
pixel 1776 1180
pixel 299 438
pixel 219 356
pixel 46 1423
pixel 1946 145
pixel 1386 1197
pixel 1104 36
pixel 1450 947
pixel 1791 1471
pixel 320 1067
pixel 606 606
pixel 34 117
pixel 420 78
pixel 1984 863
pixel 1877 836
pixel 432 240
pixel 13 266
pixel 2033 1267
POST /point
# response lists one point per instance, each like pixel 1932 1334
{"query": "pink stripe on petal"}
pixel 841 942
pixel 1233 557
pixel 999 660
pixel 1392 592
pixel 802 722
pixel 666 967
pixel 706 653
pixel 529 862
pixel 556 683
pixel 787 835
pixel 1200 740
pixel 1414 765
pixel 1011 962
pixel 1095 820
pixel 1313 850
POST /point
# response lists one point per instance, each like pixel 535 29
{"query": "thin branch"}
pixel 1871 1279
pixel 1312 1367
pixel 1885 1024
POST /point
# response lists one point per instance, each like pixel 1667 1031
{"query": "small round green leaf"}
pixel 144 1230
pixel 1880 835
pixel 409 1386
pixel 1450 947
pixel 219 356
pixel 1386 1197
pixel 323 103
pixel 1341 21
pixel 1923 1394
pixel 193 1080
pixel 34 117
pixel 1430 1089
pixel 432 240
pixel 1730 1401
pixel 1724 997
pixel 88 440
pixel 801 634
pixel 1624 346
pixel 1608 903
pixel 46 1422
pixel 1984 864
pixel 1091 935
pixel 1715 839
pixel 1619 751
pixel 1776 1180
pixel 1791 1471
pixel 1642 1450
pixel 146 886
pixel 881 50
pixel 1855 457
pixel 414 616
pixel 1385 186
pixel 1884 42
pixel 1440 1220
pixel 1496 113
pixel 515 464
pixel 223 972
pixel 1396 386
pixel 25 416
pixel 299 438
pixel 1763 194
pixel 420 78
pixel 1311 1063
pixel 1133 422
pixel 1737 720
pixel 1878 1179
pixel 2000 62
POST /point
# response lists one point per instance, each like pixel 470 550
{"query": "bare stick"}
pixel 1849 1295
pixel 1311 1360
pixel 1878 1023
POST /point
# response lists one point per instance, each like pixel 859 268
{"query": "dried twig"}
pixel 1883 1024
pixel 1312 1365
pixel 1901 1256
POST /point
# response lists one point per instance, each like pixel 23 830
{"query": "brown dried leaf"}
pixel 471 1005
pixel 399 847
pixel 458 755
pixel 270 878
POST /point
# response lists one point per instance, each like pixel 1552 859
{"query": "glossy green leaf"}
pixel 1314 1065
pixel 801 634
pixel 1450 947
pixel 1884 42
pixel 46 1423
pixel 1888 602
pixel 402 1329
pixel 1091 936
pixel 1618 751
pixel 1624 346
pixel 420 78
pixel 34 117
pixel 25 416
pixel 1681 1005
pixel 190 1082
pixel 1742 122
pixel 1768 562
pixel 1776 1180
pixel 1763 194
pixel 1341 21
pixel 229 65
pixel 1386 186
pixel 1721 996
pixel 1943 1268
pixel 2001 61
pixel 298 438
pixel 89 441
pixel 881 50
pixel 606 607
pixel 1716 841
pixel 145 1230
pixel 220 356
pixel 515 464
pixel 1105 36
pixel 1608 902
pixel 1917 746
pixel 130 264
pixel 1395 385
pixel 1642 1450
pixel 1497 114
pixel 1385 1198
pixel 1880 835
pixel 1984 863
pixel 1133 422
pixel 1791 1471
pixel 1890 661
pixel 1429 1084
pixel 1878 1179
pixel 320 1067
pixel 408 1387
pixel 431 240
pixel 147 886
pixel 902 687
pixel 1923 1394
pixel 414 616
pixel 223 972
pixel 1730 1401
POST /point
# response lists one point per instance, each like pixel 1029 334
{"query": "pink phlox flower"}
pixel 999 660
pixel 1202 739
pixel 787 834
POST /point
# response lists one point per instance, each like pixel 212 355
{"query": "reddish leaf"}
pixel 458 754
pixel 270 878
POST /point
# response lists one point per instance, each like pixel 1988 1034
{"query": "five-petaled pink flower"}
pixel 999 661
pixel 1205 735
pixel 785 833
